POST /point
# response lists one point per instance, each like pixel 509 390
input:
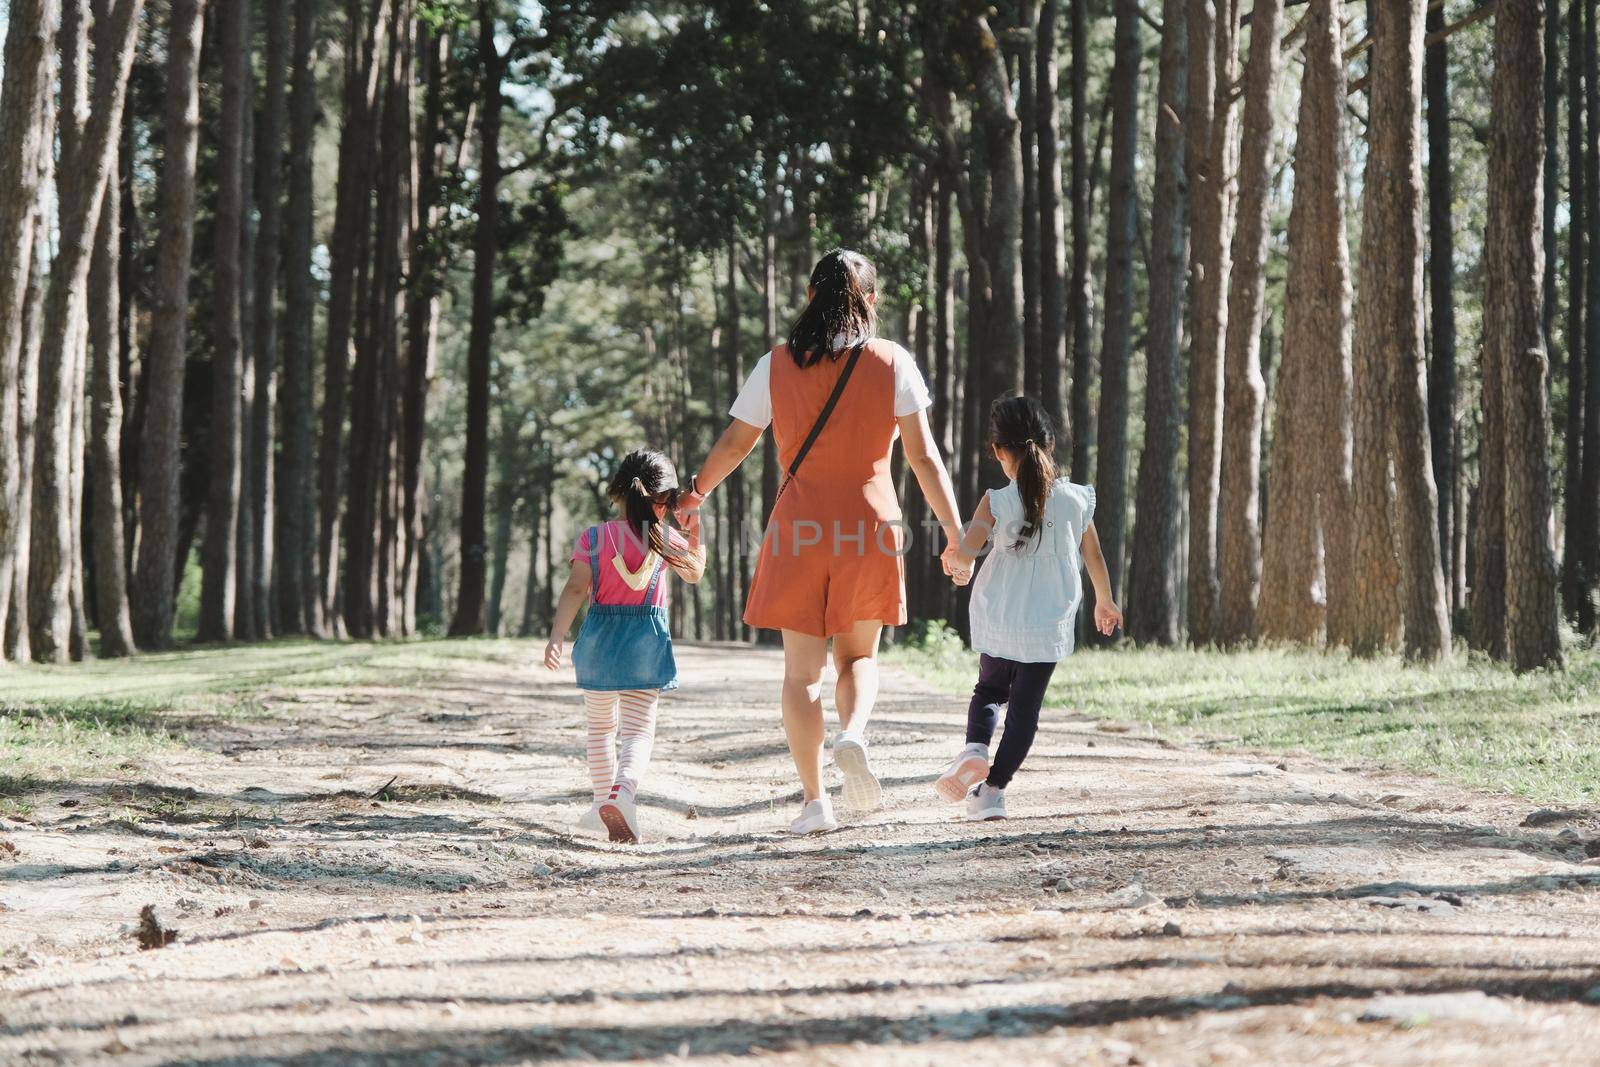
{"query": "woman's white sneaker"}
pixel 621 817
pixel 985 803
pixel 964 772
pixel 862 791
pixel 815 818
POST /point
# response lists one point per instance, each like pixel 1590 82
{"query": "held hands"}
pixel 955 568
pixel 553 650
pixel 1107 617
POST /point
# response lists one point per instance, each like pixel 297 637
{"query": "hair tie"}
pixel 638 487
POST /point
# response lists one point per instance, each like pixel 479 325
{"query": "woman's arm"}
pixel 1107 616
pixel 922 454
pixel 573 595
pixel 730 450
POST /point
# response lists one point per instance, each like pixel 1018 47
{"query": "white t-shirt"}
pixel 754 402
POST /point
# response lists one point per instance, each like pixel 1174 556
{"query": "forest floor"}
pixel 364 855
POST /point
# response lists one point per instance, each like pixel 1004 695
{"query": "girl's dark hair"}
pixel 843 283
pixel 641 475
pixel 1020 423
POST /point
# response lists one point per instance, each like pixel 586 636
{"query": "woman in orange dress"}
pixel 832 559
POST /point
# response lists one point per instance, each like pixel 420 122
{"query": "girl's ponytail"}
pixel 640 477
pixel 1019 423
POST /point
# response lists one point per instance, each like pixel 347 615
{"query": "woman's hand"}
pixel 689 503
pixel 553 649
pixel 1107 617
pixel 956 569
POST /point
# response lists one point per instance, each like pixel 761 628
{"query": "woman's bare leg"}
pixel 804 656
pixel 855 657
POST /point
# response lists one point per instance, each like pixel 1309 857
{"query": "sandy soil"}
pixel 387 876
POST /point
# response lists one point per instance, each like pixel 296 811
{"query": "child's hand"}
pixel 552 654
pixel 1107 617
pixel 956 569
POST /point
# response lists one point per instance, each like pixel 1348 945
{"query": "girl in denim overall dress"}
pixel 624 654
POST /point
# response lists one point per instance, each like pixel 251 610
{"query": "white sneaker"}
pixel 985 803
pixel 964 772
pixel 862 791
pixel 621 817
pixel 815 818
pixel 590 823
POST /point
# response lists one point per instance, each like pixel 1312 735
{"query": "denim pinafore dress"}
pixel 623 646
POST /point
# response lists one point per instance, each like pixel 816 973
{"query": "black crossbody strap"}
pixel 827 410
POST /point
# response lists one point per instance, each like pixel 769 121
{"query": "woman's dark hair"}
pixel 843 283
pixel 641 475
pixel 1019 423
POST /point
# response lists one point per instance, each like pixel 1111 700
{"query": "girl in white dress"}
pixel 1025 603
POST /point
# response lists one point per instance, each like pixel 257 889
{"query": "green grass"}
pixel 1537 735
pixel 66 723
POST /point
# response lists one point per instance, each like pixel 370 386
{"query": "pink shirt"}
pixel 617 535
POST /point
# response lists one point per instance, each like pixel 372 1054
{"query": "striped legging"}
pixel 622 729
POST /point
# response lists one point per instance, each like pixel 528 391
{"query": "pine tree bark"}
pixel 1153 581
pixel 154 584
pixel 1052 238
pixel 19 644
pixel 470 602
pixel 364 31
pixel 1513 332
pixel 996 113
pixel 244 609
pixel 1027 102
pixel 24 132
pixel 1305 544
pixel 219 550
pixel 1081 427
pixel 1589 595
pixel 1244 389
pixel 113 618
pixel 269 247
pixel 422 315
pixel 1390 317
pixel 1116 346
pixel 86 163
pixel 1578 537
pixel 1213 49
pixel 1441 279
pixel 296 535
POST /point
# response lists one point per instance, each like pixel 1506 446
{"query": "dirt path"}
pixel 1146 903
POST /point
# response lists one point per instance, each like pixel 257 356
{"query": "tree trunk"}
pixel 296 550
pixel 1082 425
pixel 1213 46
pixel 1578 537
pixel 1305 543
pixel 422 317
pixel 1116 347
pixel 352 214
pixel 507 498
pixel 24 134
pixel 1589 595
pixel 154 584
pixel 105 314
pixel 86 164
pixel 1052 241
pixel 737 562
pixel 1152 588
pixel 996 111
pixel 244 607
pixel 219 551
pixel 1513 334
pixel 19 644
pixel 1441 278
pixel 1389 325
pixel 469 605
pixel 1244 388
pixel 269 244
pixel 1024 60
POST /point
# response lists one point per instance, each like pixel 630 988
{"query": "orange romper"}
pixel 833 552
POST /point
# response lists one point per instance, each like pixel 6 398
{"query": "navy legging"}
pixel 1020 688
